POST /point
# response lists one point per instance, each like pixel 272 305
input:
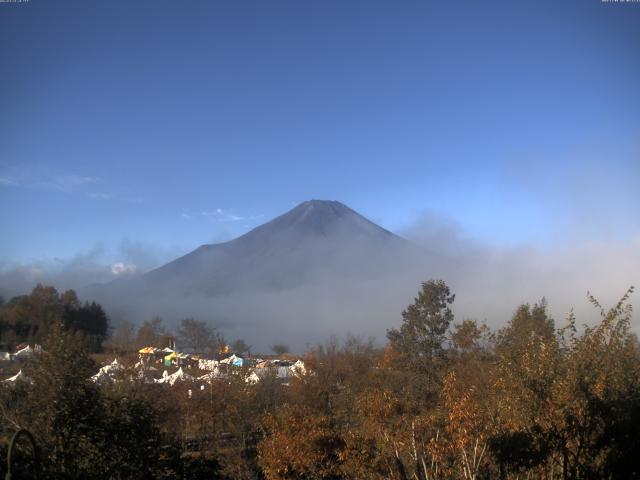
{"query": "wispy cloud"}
pixel 8 182
pixel 72 182
pixel 219 215
pixel 62 182
pixel 68 183
pixel 95 265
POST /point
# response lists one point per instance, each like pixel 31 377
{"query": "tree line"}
pixel 443 399
pixel 30 318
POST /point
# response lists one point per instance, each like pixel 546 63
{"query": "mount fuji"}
pixel 319 268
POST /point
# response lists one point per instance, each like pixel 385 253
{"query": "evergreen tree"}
pixel 424 325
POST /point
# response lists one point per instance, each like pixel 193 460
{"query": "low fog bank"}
pixel 299 317
pixel 300 297
pixel 489 282
pixel 96 265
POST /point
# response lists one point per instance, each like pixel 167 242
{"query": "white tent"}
pixel 174 378
pixel 234 360
pixel 23 354
pixel 108 373
pixel 298 368
pixel 18 377
pixel 209 377
pixel 140 365
pixel 253 378
pixel 209 365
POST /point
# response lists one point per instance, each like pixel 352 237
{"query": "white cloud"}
pixel 67 183
pixel 42 178
pixel 219 215
pixel 120 268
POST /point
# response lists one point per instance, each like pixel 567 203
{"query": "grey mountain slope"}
pixel 314 240
pixel 311 256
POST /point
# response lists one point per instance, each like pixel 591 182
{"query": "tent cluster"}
pixel 167 357
pixel 150 358
pixel 145 371
pixel 280 369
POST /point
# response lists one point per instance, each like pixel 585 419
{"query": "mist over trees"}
pixel 151 333
pixel 280 348
pixel 194 335
pixel 444 399
pixel 240 346
pixel 123 336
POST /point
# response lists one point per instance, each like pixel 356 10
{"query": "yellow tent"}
pixel 147 350
pixel 168 359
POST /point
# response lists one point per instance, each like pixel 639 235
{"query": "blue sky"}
pixel 158 126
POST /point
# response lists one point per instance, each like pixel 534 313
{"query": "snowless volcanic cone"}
pixel 290 271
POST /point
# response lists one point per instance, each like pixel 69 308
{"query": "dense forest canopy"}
pixel 444 399
pixel 29 318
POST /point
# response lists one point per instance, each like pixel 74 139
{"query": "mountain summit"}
pixel 319 220
pixel 323 217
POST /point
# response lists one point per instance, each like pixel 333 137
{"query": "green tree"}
pixel 82 431
pixel 28 318
pixel 419 341
pixel 63 408
pixel 88 318
pixel 130 438
pixel 527 322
